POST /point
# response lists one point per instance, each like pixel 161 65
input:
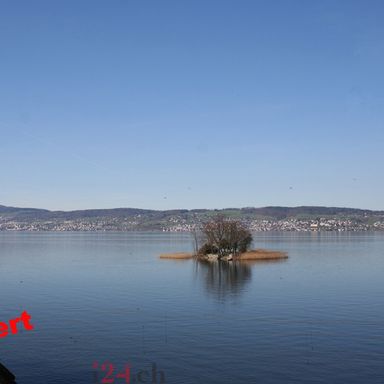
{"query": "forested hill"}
pixel 125 219
pixel 267 212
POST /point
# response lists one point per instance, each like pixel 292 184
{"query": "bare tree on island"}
pixel 225 237
pixel 197 239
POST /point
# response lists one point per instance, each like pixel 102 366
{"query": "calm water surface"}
pixel 316 318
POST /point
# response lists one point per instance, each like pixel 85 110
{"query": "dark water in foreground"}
pixel 316 318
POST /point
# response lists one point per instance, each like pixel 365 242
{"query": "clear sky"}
pixel 191 104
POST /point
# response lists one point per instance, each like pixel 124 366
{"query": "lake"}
pixel 95 298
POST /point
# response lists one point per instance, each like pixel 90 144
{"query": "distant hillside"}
pixel 22 212
pixel 35 213
pixel 271 212
pixel 284 212
pixel 13 218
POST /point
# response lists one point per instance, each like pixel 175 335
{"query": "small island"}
pixel 225 240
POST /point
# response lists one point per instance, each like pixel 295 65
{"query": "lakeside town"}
pixel 297 225
pixel 180 224
pixel 293 219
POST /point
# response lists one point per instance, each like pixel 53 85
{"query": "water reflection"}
pixel 227 279
pixel 223 278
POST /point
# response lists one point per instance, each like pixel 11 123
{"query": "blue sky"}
pixel 191 104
